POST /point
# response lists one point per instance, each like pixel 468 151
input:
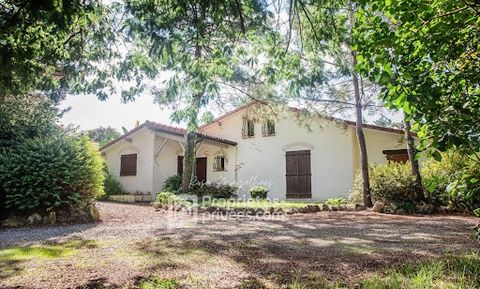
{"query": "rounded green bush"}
pixel 51 172
pixel 258 192
pixel 166 198
pixel 390 182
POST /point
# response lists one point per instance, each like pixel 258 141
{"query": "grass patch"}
pixel 158 283
pixel 454 272
pixel 48 251
pixel 258 204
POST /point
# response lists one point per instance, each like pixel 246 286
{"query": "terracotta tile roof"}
pixel 294 109
pixel 169 130
pixel 181 132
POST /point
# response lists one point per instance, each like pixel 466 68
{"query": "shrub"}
pixel 390 182
pixel 166 198
pixel 51 172
pixel 258 192
pixel 111 185
pixel 217 190
pixel 173 184
pixel 455 180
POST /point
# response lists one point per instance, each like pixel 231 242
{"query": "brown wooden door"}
pixel 200 168
pixel 298 174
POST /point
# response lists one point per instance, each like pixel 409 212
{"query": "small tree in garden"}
pixel 325 31
pixel 194 44
pixel 102 135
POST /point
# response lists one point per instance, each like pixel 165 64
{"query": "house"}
pixel 297 156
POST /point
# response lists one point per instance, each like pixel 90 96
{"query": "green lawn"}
pixel 448 273
pixel 259 204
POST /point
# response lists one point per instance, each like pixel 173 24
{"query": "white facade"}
pixel 334 154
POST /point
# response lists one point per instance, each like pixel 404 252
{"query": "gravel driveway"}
pixel 135 241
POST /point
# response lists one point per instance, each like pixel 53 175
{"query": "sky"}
pixel 88 112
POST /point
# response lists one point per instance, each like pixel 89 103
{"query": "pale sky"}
pixel 88 112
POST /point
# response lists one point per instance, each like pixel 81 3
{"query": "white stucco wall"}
pixel 141 144
pixel 259 160
pixel 165 164
pixel 334 153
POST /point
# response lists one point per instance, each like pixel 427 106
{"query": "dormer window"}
pixel 248 129
pixel 268 128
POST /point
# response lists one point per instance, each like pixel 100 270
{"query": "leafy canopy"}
pixel 193 45
pixel 53 45
pixel 424 53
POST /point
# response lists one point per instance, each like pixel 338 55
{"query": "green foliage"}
pixel 336 201
pixel 102 135
pixel 25 117
pixel 216 190
pixel 390 182
pixel 51 172
pixel 166 198
pixel 454 180
pixel 45 46
pixel 425 55
pixel 258 192
pixel 173 184
pixel 111 185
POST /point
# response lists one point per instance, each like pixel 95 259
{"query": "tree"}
pixel 48 46
pixel 412 156
pixel 197 44
pixel 387 122
pixel 102 135
pixel 424 54
pixel 325 28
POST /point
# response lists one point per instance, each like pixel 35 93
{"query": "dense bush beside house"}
pixel 216 190
pixel 165 198
pixel 173 184
pixel 111 185
pixel 258 192
pixel 388 183
pixel 50 173
pixel 455 180
pixel 47 174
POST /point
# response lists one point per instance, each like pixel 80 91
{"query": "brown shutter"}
pixel 128 165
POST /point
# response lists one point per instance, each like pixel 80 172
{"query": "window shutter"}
pixel 128 165
pixel 244 127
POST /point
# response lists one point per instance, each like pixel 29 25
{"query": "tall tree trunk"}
pixel 412 152
pixel 189 154
pixel 188 160
pixel 367 199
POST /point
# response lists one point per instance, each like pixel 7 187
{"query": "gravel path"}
pixel 134 241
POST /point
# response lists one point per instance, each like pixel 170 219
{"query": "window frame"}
pixel 124 170
pixel 219 166
pixel 268 128
pixel 248 128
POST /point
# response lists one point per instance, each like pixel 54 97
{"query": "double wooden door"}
pixel 298 174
